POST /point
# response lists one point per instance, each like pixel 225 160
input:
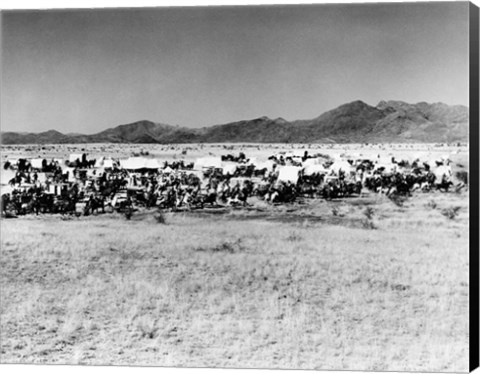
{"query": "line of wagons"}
pixel 25 200
pixel 22 201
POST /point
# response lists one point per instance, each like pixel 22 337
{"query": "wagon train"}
pixel 85 186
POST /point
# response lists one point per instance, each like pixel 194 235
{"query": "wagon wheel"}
pixel 11 209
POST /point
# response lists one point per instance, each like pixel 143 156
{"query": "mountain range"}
pixel 355 122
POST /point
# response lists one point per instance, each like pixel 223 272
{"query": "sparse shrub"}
pixel 227 246
pixel 398 200
pixel 294 237
pixel 230 247
pixel 459 187
pixel 431 204
pixel 400 287
pixel 306 223
pixel 147 329
pixel 368 224
pixel 335 211
pixel 462 176
pixel 451 213
pixel 368 212
pixel 160 218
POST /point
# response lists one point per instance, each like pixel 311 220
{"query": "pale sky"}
pixel 84 71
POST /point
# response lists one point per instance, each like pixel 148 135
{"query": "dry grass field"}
pixel 318 285
pixel 360 284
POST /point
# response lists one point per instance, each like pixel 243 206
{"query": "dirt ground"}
pixel 353 284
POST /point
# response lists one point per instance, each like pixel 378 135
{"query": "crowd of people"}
pixel 80 187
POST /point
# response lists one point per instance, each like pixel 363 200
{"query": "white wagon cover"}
pixel 229 168
pixel 289 174
pixel 36 163
pixel 74 156
pixel 133 163
pixel 207 162
pixel 314 169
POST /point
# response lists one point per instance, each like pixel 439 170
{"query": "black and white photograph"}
pixel 255 186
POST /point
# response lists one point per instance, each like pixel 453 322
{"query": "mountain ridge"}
pixel 355 122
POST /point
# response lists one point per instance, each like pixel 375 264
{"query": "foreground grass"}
pixel 214 291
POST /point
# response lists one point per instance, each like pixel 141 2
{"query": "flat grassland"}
pixel 360 284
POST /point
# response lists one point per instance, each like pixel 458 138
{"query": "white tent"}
pixel 313 161
pixel 6 175
pixel 442 170
pixel 74 156
pixel 229 168
pixel 168 170
pixel 36 163
pixel 99 162
pixel 299 152
pixel 430 162
pixel 384 160
pixel 152 164
pixel 341 165
pixel 314 169
pixel 133 163
pixel 108 163
pixel 264 165
pixel 289 174
pixel 335 156
pixel 42 177
pixel 206 162
pixel 446 159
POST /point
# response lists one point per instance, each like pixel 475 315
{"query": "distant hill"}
pixel 51 136
pixel 349 123
pixel 137 132
pixel 355 122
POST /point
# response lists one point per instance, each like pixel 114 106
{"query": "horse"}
pixel 443 177
pixel 94 204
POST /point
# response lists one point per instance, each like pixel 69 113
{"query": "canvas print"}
pixel 281 187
